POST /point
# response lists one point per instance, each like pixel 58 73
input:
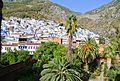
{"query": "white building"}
pixel 31 47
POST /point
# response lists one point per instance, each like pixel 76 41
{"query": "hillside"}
pixel 38 9
pixel 110 10
pixel 97 20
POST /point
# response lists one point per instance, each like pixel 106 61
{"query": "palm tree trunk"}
pixel 69 50
pixel 86 67
pixel 108 63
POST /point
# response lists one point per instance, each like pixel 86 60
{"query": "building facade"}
pixel 31 47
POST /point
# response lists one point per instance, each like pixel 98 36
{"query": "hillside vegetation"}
pixel 37 10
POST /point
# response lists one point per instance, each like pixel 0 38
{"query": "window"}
pixel 5 48
pixel 28 47
pixel 22 39
pixel 42 42
pixel 34 47
pixel 25 47
pixel 9 48
pixel 19 47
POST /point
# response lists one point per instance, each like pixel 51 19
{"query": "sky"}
pixel 81 6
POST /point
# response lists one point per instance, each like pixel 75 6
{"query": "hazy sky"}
pixel 81 5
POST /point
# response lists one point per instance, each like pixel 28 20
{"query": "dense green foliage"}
pixel 58 70
pixel 52 63
pixel 45 53
pixel 114 73
pixel 49 50
pixel 11 57
pixel 54 55
pixel 109 52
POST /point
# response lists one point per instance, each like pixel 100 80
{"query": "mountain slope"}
pixel 38 10
pixel 111 9
pixel 99 20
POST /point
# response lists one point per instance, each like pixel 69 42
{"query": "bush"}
pixel 114 73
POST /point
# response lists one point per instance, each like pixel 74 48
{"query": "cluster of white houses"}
pixel 28 34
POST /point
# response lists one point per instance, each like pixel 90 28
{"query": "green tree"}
pixel 76 59
pixel 71 25
pixel 59 51
pixel 11 57
pixel 22 55
pixel 49 50
pixel 8 57
pixel 88 52
pixel 109 51
pixel 57 70
pixel 114 73
pixel 46 52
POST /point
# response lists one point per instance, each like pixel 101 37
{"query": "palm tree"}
pixel 88 52
pixel 57 70
pixel 71 25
